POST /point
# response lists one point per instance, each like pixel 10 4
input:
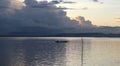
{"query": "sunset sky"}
pixel 31 16
pixel 101 13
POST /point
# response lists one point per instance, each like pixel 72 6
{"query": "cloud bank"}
pixel 32 17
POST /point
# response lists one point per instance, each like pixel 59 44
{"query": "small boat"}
pixel 61 41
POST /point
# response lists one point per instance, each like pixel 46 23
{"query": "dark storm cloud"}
pixel 41 18
pixel 42 15
pixel 30 2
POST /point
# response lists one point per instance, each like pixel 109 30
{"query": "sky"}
pixel 100 12
pixel 33 17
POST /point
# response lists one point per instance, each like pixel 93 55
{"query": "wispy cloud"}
pixel 64 2
pixel 85 8
pixel 69 2
pixel 98 1
pixel 117 18
pixel 95 0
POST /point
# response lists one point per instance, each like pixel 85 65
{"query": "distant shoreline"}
pixel 65 35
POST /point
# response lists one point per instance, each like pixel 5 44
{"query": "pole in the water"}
pixel 82 50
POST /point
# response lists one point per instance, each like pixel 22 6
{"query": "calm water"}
pixel 38 51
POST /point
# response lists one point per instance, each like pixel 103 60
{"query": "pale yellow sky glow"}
pixel 100 14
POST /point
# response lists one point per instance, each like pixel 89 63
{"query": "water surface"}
pixel 44 51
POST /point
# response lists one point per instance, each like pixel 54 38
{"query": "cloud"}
pixel 69 2
pixel 117 21
pixel 85 8
pixel 98 1
pixel 31 2
pixel 82 22
pixel 117 18
pixel 34 15
pixel 14 4
pixel 31 17
pixel 95 0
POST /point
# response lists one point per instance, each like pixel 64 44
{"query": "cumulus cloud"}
pixel 30 2
pixel 32 17
pixel 81 20
pixel 13 4
pixel 41 15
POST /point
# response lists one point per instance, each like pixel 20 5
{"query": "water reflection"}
pixel 33 52
pixel 46 52
pixel 73 53
pixel 104 52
